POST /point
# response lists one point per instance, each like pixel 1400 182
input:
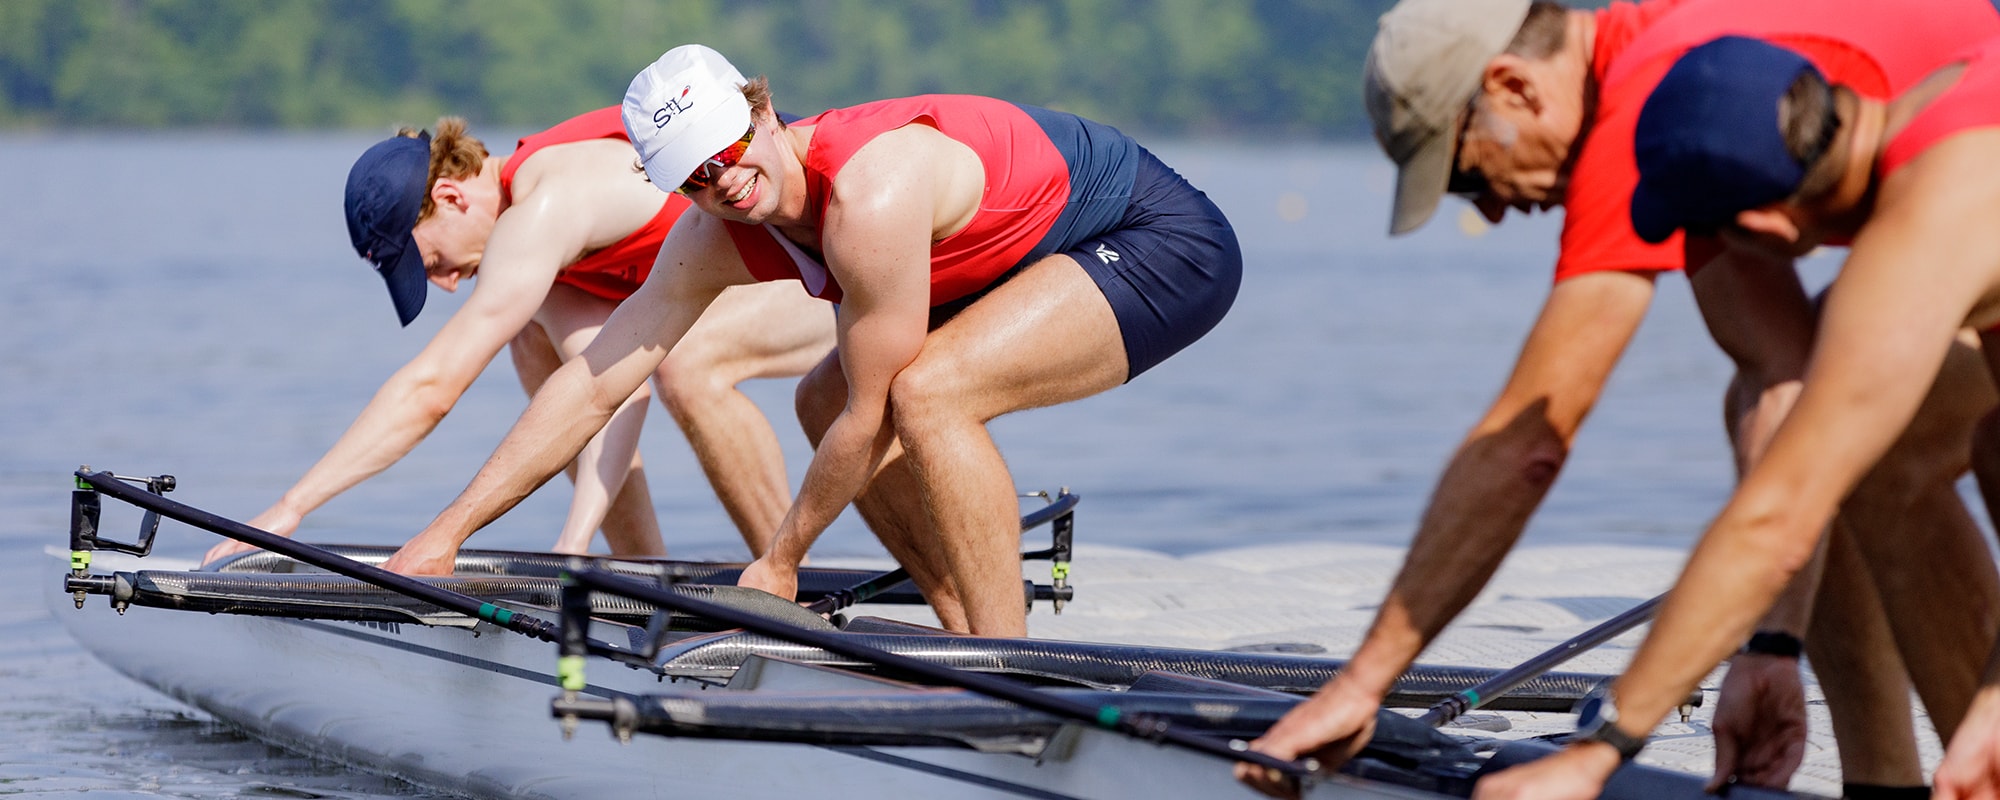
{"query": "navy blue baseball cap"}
pixel 1708 144
pixel 385 194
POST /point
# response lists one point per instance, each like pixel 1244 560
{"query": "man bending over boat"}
pixel 1524 106
pixel 986 257
pixel 557 234
pixel 1746 139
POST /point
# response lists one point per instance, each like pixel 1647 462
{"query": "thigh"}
pixel 572 318
pixel 534 356
pixel 763 330
pixel 1046 336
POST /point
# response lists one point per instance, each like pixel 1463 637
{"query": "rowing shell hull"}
pixel 466 710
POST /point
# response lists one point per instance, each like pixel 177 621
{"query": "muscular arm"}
pixel 1760 316
pixel 526 250
pixel 1478 510
pixel 1504 468
pixel 877 236
pixel 695 264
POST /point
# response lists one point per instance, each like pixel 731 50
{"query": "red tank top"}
pixel 614 271
pixel 1972 102
pixel 1027 188
pixel 1877 47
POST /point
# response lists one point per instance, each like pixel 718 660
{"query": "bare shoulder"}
pixel 590 167
pixel 914 166
pixel 588 187
pixel 1953 174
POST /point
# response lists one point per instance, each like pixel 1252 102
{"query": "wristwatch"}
pixel 1597 721
pixel 1774 643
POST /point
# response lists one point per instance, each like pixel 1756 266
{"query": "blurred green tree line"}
pixel 1281 68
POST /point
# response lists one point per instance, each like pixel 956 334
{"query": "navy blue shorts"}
pixel 1170 268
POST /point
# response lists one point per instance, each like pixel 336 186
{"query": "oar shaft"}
pixel 1451 707
pixel 442 598
pixel 991 686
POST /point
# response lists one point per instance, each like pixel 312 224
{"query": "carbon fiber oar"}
pixel 1109 717
pixel 1451 707
pixel 470 606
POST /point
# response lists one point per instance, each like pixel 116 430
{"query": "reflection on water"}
pixel 189 305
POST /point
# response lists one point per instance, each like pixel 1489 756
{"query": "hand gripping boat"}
pixel 711 690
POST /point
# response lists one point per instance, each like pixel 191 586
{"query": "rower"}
pixel 1513 104
pixel 960 299
pixel 557 233
pixel 1759 147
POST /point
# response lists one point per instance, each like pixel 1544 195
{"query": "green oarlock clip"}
pixel 79 560
pixel 82 484
pixel 1060 570
pixel 569 671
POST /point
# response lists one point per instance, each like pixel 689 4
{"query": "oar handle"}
pixel 443 598
pixel 1451 707
pixel 1107 716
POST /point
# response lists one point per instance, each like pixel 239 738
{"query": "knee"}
pixel 926 393
pixel 687 384
pixel 820 395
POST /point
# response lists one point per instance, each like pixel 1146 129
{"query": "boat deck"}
pixel 1321 597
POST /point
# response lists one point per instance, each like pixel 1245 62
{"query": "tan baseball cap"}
pixel 1422 70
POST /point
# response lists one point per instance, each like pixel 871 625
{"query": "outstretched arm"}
pixel 1760 315
pixel 1923 266
pixel 695 264
pixel 1482 502
pixel 524 255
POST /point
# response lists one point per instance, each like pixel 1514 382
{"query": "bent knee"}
pixel 820 396
pixel 688 384
pixel 930 390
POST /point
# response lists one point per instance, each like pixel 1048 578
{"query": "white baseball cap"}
pixel 682 110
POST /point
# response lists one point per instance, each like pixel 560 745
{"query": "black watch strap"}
pixel 1597 721
pixel 1608 733
pixel 1774 643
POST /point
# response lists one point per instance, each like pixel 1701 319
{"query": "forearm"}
pixel 847 455
pixel 570 408
pixel 1770 402
pixel 1747 560
pixel 1478 511
pixel 404 411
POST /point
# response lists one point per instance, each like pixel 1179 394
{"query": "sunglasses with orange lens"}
pixel 707 171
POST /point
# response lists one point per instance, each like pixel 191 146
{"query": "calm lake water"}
pixel 190 305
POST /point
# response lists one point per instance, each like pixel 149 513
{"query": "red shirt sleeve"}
pixel 1597 230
